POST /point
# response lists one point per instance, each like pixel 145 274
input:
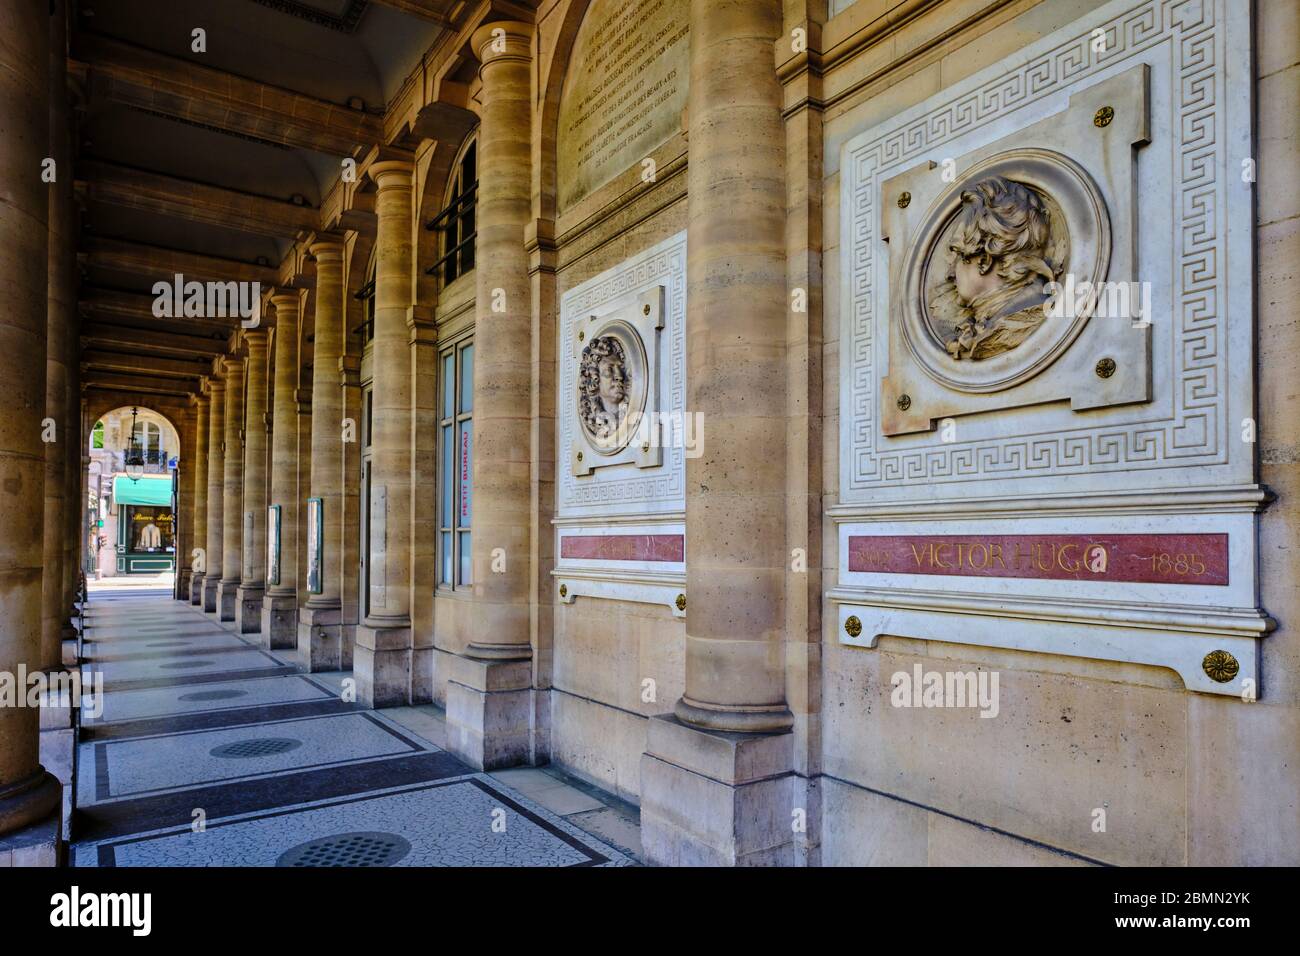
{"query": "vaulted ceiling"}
pixel 211 162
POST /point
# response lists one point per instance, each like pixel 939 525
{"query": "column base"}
pixel 30 801
pixel 196 589
pixel 717 798
pixel 57 743
pixel 279 621
pixel 348 644
pixel 381 664
pixel 227 593
pixel 183 581
pixel 37 844
pixel 210 594
pixel 489 711
pixel 248 609
pixel 422 664
pixel 320 640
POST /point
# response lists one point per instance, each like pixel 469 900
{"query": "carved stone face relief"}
pixel 974 293
pixel 606 385
pixel 985 282
pixel 611 376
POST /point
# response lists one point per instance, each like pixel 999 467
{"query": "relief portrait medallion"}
pixel 611 387
pixel 976 282
pixel 1005 244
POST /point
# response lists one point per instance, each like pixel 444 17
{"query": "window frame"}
pixel 458 220
pixel 453 529
pixel 366 295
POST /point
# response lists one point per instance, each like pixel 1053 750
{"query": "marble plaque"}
pixel 624 95
pixel 1142 558
pixel 622 435
pixel 1046 356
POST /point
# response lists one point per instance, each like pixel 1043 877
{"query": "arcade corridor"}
pixel 210 751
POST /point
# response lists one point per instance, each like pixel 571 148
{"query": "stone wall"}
pixel 1182 777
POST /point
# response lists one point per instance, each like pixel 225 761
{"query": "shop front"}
pixel 146 525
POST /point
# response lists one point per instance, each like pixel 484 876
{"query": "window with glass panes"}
pixel 366 295
pixel 456 464
pixel 456 222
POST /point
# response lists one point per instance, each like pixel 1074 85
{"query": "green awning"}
pixel 146 491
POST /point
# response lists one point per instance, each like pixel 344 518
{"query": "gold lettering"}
pixel 1038 558
pixel 995 553
pixel 1061 558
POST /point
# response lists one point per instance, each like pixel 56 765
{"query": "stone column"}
pixel 729 746
pixel 60 325
pixel 302 410
pixel 76 465
pixel 185 485
pixel 382 660
pixel 252 582
pixel 200 468
pixel 232 490
pixel 489 697
pixel 75 428
pixel 83 549
pixel 350 559
pixel 320 619
pixel 28 794
pixel 216 500
pixel 280 603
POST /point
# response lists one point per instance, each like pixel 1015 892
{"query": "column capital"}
pixel 382 161
pixel 327 245
pixel 256 338
pixel 502 40
pixel 283 297
pixel 392 174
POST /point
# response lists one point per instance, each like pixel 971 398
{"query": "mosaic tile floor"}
pixel 210 751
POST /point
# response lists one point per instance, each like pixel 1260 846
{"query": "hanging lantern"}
pixel 134 453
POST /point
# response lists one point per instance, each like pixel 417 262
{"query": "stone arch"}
pixel 546 170
pixel 99 408
pixel 434 167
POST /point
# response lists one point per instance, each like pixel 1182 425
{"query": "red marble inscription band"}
pixel 624 547
pixel 1140 558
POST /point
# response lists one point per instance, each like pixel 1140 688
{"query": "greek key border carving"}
pixel 663 265
pixel 1196 434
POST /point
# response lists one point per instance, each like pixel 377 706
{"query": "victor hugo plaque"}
pixel 1046 360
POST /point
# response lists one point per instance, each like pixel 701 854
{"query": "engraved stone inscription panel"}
pixel 624 93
